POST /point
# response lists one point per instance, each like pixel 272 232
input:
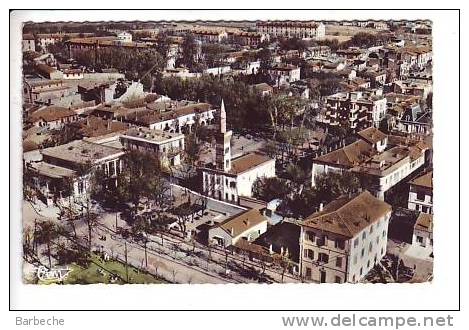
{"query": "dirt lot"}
pixel 332 30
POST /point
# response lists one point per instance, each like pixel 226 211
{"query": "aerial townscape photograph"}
pixel 229 151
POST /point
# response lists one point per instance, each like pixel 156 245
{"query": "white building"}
pixel 178 118
pixel 289 29
pixel 421 193
pixel 285 73
pixel 124 37
pixel 63 174
pixel 248 225
pixel 361 109
pixel 343 241
pixel 422 237
pixel 168 146
pixel 228 178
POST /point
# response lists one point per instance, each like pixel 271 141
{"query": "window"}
pixel 420 239
pixel 361 271
pixel 309 254
pixel 370 247
pixel 420 195
pixel 355 260
pixel 368 264
pixel 355 242
pixel 384 233
pixel 311 236
pixel 363 252
pixel 363 235
pixel 226 196
pixel 339 244
pixel 308 272
pixel 377 239
pixel 322 257
pixel 338 262
pixel 233 198
pixel 371 229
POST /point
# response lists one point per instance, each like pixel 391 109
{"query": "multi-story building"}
pixel 421 193
pixel 209 36
pixel 289 29
pixel 343 241
pixel 422 237
pixel 168 146
pixel 359 108
pixel 63 174
pixel 252 39
pixel 52 117
pixel 176 118
pixel 284 73
pixel 229 178
pixel 28 43
pixel 124 37
pixel 380 166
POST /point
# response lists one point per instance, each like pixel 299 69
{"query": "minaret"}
pixel 223 138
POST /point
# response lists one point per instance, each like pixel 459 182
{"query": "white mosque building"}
pixel 228 179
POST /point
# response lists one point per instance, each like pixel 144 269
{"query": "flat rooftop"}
pixel 82 152
pixel 52 171
pixel 151 135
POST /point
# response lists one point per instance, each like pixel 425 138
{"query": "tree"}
pixel 265 58
pixel 189 51
pixel 268 189
pixel 138 180
pixel 45 233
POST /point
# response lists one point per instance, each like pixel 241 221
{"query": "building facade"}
pixel 343 241
pixel 287 29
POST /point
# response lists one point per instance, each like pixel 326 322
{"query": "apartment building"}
pixel 289 29
pixel 168 146
pixel 344 240
pixel 359 108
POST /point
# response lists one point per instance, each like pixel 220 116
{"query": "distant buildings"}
pixel 290 29
pixel 344 240
pixel 284 73
pixel 28 43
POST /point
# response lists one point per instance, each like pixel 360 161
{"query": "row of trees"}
pixel 299 199
pixel 134 64
pixel 245 107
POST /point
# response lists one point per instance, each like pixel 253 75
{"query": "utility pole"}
pixel 146 257
pixel 126 264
